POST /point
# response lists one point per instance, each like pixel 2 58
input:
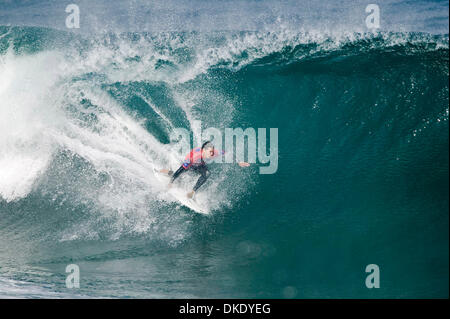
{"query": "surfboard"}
pixel 180 194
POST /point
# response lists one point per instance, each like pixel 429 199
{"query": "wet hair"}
pixel 207 143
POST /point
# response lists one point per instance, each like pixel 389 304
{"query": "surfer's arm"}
pixel 241 164
pixel 165 171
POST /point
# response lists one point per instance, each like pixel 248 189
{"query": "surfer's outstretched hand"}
pixel 190 194
pixel 244 164
pixel 166 171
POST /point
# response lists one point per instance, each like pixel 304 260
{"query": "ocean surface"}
pixel 363 173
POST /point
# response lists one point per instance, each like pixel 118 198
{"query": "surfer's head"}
pixel 208 149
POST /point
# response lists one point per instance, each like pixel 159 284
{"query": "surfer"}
pixel 195 161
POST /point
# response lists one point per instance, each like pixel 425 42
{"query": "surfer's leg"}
pixel 178 173
pixel 203 170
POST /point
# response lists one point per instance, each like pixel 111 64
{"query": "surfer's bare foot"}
pixel 191 194
pixel 169 186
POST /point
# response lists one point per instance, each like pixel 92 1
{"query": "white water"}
pixel 41 115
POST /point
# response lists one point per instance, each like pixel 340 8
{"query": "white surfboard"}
pixel 180 194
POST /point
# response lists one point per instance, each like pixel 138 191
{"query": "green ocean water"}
pixel 362 176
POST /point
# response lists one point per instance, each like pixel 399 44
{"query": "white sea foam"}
pixel 26 114
pixel 40 116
